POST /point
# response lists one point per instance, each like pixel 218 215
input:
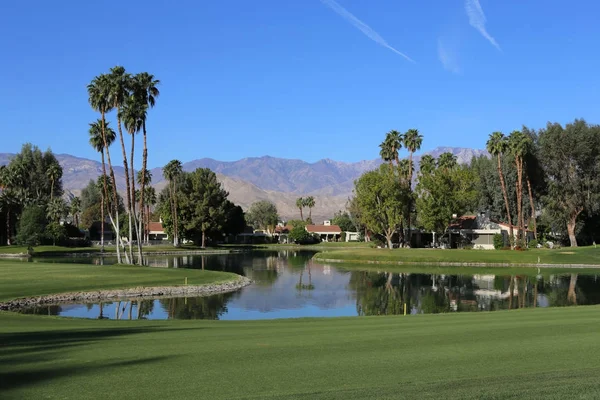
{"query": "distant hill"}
pixel 260 178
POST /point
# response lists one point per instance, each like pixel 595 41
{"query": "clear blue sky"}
pixel 299 78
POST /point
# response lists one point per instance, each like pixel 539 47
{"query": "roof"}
pixel 155 227
pixel 323 229
pixel 283 229
pixel 464 222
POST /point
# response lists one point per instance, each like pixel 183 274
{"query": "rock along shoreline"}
pixel 140 293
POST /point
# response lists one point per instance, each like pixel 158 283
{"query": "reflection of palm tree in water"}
pixel 310 286
pixel 572 294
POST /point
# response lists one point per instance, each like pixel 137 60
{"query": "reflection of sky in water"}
pixel 334 293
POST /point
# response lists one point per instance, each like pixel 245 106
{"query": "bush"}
pixel 533 244
pixel 299 235
pixel 498 241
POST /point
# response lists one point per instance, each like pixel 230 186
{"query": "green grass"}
pixel 580 255
pixel 23 279
pixel 535 353
pixel 442 270
pixel 41 251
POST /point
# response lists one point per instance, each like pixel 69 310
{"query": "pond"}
pixel 288 284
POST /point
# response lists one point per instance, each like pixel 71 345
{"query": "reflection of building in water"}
pixel 326 269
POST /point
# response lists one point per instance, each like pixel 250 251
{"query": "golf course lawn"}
pixel 549 353
pixel 23 279
pixel 580 255
pixel 541 353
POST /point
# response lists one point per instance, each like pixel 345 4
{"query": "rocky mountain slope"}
pixel 260 178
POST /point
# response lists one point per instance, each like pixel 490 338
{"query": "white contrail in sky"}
pixel 477 20
pixel 364 28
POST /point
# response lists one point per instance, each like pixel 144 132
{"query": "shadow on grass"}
pixel 21 351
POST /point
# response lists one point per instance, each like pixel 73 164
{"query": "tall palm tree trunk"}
pixel 8 243
pixel 172 201
pixel 505 195
pixel 115 224
pixel 175 214
pixel 102 204
pixel 127 188
pixel 519 191
pixel 532 207
pixel 143 184
pixel 133 210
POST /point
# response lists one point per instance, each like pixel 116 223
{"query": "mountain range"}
pixel 260 178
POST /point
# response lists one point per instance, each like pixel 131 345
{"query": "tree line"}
pixel 534 180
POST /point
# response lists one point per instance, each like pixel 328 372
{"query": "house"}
pixel 478 231
pixel 327 232
pixel 352 236
pixel 156 231
pixel 282 232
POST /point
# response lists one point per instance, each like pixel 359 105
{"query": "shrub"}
pixel 533 244
pixel 498 241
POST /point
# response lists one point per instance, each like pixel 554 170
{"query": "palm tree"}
pixel 447 161
pixel 101 138
pixel 310 203
pixel 145 89
pixel 412 142
pixel 75 209
pixel 300 205
pixel 143 176
pixel 150 199
pixel 120 86
pixel 132 113
pixel 390 147
pixel 497 146
pixel 404 168
pixel 172 171
pixel 8 197
pixel 427 164
pixel 53 173
pixel 518 145
pixel 100 98
pixel 56 209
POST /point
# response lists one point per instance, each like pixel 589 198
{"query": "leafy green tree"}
pixel 381 201
pixel 56 232
pixel 444 192
pixel 263 215
pixel 202 205
pixel 571 159
pixel 172 173
pixel 235 219
pixel 32 226
pixel 344 221
pixel 299 235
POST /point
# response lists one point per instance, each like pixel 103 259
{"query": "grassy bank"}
pixel 21 279
pixel 542 353
pixel 46 251
pixel 581 255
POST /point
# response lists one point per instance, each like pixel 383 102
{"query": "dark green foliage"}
pixel 571 159
pixel 343 220
pixel 498 241
pixel 32 226
pixel 262 215
pixel 55 232
pixel 299 235
pixel 533 244
pixel 235 219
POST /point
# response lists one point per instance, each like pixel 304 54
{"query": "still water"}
pixel 288 284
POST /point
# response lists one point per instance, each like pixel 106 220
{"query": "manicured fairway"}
pixel 543 353
pixel 23 279
pixel 581 255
